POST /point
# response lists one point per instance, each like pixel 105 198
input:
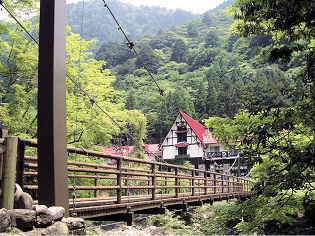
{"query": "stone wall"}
pixel 32 219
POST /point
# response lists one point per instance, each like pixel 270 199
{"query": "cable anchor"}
pixel 161 91
pixel 130 45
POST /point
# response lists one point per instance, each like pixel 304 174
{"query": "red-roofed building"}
pixel 190 140
pixel 151 151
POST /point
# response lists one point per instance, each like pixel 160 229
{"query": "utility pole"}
pixel 52 144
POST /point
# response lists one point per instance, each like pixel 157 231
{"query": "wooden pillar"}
pixel 20 163
pixel 96 183
pixel 52 142
pixel 214 183
pixel 119 181
pixel 8 173
pixel 193 183
pixel 153 182
pixel 176 183
pixel 205 181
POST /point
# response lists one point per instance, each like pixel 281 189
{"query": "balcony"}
pixel 233 153
pixel 181 156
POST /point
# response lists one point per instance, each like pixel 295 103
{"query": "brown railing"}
pixel 118 179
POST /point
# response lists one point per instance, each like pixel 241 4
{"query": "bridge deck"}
pixel 97 207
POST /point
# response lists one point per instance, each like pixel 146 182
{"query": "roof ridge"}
pixel 198 128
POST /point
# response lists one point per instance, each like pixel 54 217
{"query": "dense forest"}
pixel 137 21
pixel 204 69
pixel 247 74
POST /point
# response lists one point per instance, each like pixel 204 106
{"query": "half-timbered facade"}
pixel 190 140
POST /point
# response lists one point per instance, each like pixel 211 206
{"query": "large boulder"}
pixel 43 216
pixel 57 213
pixel 58 228
pixel 23 219
pixel 5 220
pixel 25 201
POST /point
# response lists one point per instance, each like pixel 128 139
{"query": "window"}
pixel 182 151
pixel 181 137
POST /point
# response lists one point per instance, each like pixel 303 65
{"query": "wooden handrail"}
pixel 153 178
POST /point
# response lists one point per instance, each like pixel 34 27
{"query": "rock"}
pixel 25 201
pixel 35 232
pixel 57 228
pixel 23 219
pixel 4 220
pixel 74 223
pixel 57 213
pixel 77 232
pixel 43 219
pixel 17 193
pixel 39 208
pixel 16 231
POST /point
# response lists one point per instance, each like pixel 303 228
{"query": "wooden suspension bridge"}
pixel 120 185
pixel 115 187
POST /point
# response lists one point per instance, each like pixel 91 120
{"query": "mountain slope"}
pixel 136 21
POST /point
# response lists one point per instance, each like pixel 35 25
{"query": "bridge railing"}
pixel 123 178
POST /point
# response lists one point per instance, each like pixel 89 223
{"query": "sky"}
pixel 196 6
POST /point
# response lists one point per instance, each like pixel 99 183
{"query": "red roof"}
pixel 125 150
pixel 181 145
pixel 198 128
pixel 153 148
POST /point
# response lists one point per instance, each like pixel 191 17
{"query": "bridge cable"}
pixel 79 86
pixel 131 45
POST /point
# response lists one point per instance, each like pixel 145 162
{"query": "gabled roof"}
pixel 153 149
pixel 198 128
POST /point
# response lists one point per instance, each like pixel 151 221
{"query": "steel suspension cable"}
pixel 76 83
pixel 131 45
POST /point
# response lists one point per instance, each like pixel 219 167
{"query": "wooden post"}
pixel 193 183
pixel 205 182
pixel 153 182
pixel 222 183
pixel 8 173
pixel 239 167
pixel 119 180
pixel 214 183
pixel 228 183
pixel 96 184
pixel 176 183
pixel 52 137
pixel 20 163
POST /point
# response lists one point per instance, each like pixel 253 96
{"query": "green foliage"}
pixel 276 131
pixel 86 124
pixel 137 21
pixel 204 69
pixel 168 221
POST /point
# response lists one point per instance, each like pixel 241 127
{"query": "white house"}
pixel 191 140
